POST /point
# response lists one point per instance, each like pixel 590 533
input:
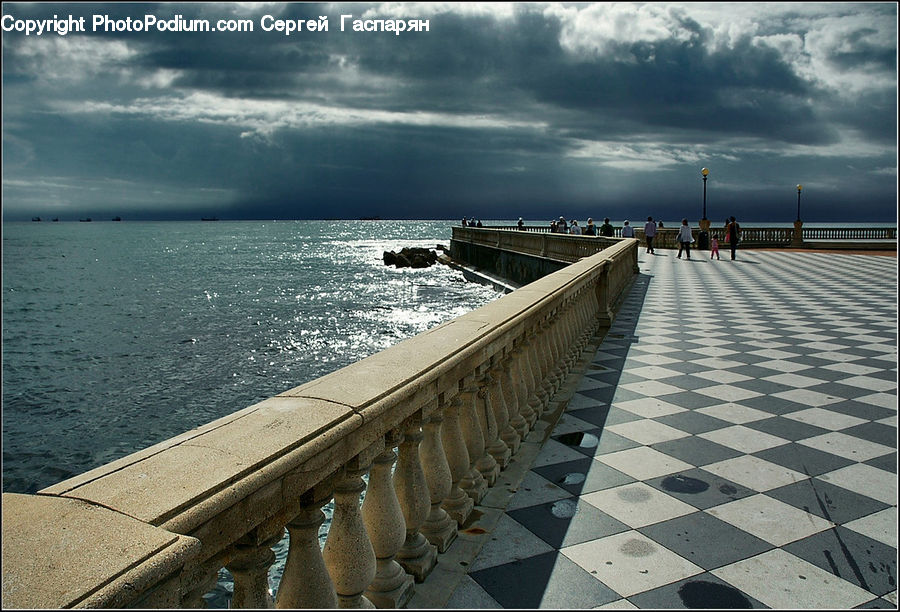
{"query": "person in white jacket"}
pixel 684 239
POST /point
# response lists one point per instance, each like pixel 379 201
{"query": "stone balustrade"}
pixel 431 421
pixel 772 237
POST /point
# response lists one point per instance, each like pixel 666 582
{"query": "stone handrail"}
pixel 444 409
pixel 750 236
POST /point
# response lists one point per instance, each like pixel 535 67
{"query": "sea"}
pixel 119 335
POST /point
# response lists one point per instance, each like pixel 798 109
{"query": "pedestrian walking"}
pixel 685 239
pixel 627 231
pixel 733 234
pixel 714 249
pixel 650 234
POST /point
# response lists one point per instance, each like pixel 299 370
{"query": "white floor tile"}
pixel 794 380
pixel 638 504
pixel 651 388
pixel 881 526
pixel 867 382
pixel 723 377
pixel 826 419
pixel 743 438
pixel 770 519
pixel 643 462
pixel 847 446
pixel 653 372
pixel 630 562
pixel 884 400
pixel 870 481
pixel 649 407
pixel 647 431
pixel 734 413
pixel 755 473
pixel 510 541
pixel 807 397
pixel 781 580
pixel 728 393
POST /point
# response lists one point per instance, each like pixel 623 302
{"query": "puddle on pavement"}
pixel 684 484
pixel 712 595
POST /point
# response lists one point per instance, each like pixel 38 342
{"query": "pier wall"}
pixel 430 421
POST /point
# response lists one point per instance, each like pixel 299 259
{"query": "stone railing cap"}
pixel 60 552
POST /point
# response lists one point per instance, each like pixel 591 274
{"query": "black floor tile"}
pixel 887 462
pixel 831 502
pixel 567 522
pixel 692 422
pixel 705 540
pixel 874 432
pixel 696 451
pixel 527 583
pixel 703 591
pixel 773 405
pixel 862 410
pixel 691 400
pixel 700 488
pixel 803 459
pixel 852 556
pixel 788 429
pixel 583 476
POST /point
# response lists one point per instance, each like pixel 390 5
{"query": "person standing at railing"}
pixel 627 231
pixel 607 229
pixel 650 234
pixel 521 225
pixel 732 234
pixel 575 229
pixel 684 239
pixel 590 229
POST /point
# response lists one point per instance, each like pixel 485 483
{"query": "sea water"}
pixel 119 335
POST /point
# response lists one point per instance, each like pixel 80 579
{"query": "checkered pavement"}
pixel 732 443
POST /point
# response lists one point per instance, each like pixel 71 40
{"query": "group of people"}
pixel 685 237
pixel 561 226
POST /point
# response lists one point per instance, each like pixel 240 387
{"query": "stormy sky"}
pixel 499 110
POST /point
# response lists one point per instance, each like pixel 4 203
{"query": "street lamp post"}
pixel 703 235
pixel 705 173
pixel 797 240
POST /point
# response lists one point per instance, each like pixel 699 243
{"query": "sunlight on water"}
pixel 117 336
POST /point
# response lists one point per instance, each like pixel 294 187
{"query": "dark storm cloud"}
pixel 511 109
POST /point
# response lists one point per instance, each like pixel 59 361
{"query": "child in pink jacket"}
pixel 714 250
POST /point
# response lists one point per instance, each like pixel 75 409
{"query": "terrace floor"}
pixel 731 442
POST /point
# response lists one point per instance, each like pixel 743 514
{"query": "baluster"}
pixel 538 394
pixel 457 504
pixel 439 528
pixel 473 483
pixel 249 567
pixel 506 402
pixel 417 556
pixel 528 381
pixel 348 552
pixel 496 451
pixel 305 582
pixel 383 518
pixel 515 377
